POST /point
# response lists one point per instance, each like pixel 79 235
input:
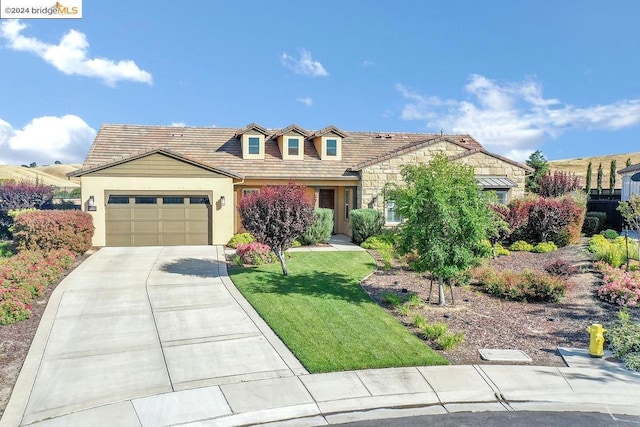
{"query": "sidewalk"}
pixel 195 382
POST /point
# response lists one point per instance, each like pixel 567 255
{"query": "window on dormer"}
pixel 254 145
pixel 293 146
pixel 332 147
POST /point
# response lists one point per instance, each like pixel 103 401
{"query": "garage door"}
pixel 158 220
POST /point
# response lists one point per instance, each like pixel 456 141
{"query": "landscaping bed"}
pixel 489 322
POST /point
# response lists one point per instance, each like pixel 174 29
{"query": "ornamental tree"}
pixel 447 218
pixel 599 179
pixel 612 177
pixel 588 180
pixel 540 168
pixel 276 216
pixel 557 184
pixel 630 211
pixel 20 195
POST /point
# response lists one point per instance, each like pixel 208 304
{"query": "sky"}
pixel 559 76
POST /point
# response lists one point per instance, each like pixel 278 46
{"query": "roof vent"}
pixel 177 134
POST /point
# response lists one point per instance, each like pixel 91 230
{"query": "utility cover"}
pixel 503 355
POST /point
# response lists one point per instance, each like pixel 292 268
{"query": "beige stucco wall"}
pixel 217 186
pixel 375 177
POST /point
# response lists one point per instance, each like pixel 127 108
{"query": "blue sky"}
pixel 561 76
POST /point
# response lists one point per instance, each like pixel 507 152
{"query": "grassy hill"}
pixel 50 175
pixel 579 166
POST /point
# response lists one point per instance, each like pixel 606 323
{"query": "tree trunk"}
pixel 280 254
pixel 441 301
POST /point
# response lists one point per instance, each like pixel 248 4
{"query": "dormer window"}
pixel 252 138
pixel 328 143
pixel 253 145
pixel 293 147
pixel 332 147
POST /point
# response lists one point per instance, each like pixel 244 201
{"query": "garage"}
pixel 158 219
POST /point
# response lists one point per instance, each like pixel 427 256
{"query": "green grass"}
pixel 325 318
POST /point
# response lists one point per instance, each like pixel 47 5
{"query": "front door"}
pixel 327 199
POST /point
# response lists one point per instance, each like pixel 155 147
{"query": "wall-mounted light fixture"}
pixel 374 201
pixel 91 204
pixel 223 201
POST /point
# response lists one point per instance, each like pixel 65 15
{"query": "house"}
pixel 161 185
pixel 630 181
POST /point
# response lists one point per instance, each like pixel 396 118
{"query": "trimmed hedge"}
pixel 321 228
pixel 49 230
pixel 25 276
pixel 594 223
pixel 365 223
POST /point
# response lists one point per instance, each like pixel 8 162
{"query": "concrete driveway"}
pixel 136 322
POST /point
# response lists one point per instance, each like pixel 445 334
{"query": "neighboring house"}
pixel 161 185
pixel 630 181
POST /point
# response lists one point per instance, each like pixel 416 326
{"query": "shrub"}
pixel 404 309
pixel 240 238
pixel 594 223
pixel 521 245
pixel 557 184
pixel 499 250
pixel 433 331
pixel 613 252
pixel 544 247
pixel 610 234
pixel 419 321
pixel 448 341
pixel 321 228
pixel 255 253
pixel 49 230
pixel 413 301
pixel 624 340
pixel 25 276
pixel 20 195
pixel 365 223
pixel 560 267
pixel 5 250
pixel 620 287
pixel 523 286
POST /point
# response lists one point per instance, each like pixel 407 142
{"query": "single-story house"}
pixel 163 185
pixel 630 181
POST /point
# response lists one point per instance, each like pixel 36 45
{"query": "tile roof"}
pixel 220 148
pixel 630 168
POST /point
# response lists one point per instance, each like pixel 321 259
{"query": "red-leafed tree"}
pixel 20 195
pixel 557 184
pixel 276 216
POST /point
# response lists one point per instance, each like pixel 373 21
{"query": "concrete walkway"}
pixel 160 336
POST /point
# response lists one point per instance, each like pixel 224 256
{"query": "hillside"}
pixel 51 175
pixel 579 166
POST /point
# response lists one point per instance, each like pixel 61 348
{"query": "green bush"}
pixel 594 223
pixel 544 247
pixel 413 301
pixel 500 250
pixel 521 245
pixel 528 286
pixel 624 340
pixel 5 250
pixel 433 331
pixel 49 230
pixel 613 252
pixel 240 238
pixel 255 253
pixel 610 234
pixel 365 223
pixel 448 341
pixel 321 228
pixel 419 321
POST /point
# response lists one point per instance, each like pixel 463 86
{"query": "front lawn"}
pixel 325 318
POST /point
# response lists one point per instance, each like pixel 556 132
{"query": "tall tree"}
pixel 587 185
pixel 612 177
pixel 540 167
pixel 276 216
pixel 628 162
pixel 599 178
pixel 447 218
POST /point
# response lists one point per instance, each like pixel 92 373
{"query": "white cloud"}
pixel 45 140
pixel 513 119
pixel 305 66
pixel 70 55
pixel 306 101
pixel 178 124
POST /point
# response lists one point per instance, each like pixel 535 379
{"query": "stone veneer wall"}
pixel 375 177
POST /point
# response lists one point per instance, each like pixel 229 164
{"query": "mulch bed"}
pixel 538 329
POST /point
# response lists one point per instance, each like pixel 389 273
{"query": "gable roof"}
pixel 220 149
pixel 145 153
pixel 292 128
pixel 631 168
pixel 495 156
pixel 329 129
pixel 252 126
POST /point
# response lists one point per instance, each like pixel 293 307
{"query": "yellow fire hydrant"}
pixel 596 340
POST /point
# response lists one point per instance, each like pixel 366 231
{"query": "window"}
pixel 173 200
pixel 254 145
pixel 248 191
pixel 501 195
pixel 199 200
pixel 349 201
pixel 293 146
pixel 146 200
pixel 391 213
pixel 118 200
pixel 332 147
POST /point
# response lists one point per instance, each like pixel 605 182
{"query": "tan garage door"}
pixel 158 220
